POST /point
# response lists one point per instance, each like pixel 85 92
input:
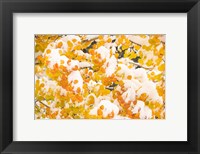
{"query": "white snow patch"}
pixel 104 52
pixel 134 84
pixel 55 57
pixel 108 108
pixel 140 74
pixel 129 95
pixel 112 65
pixel 81 53
pixel 138 106
pixel 124 70
pixel 84 64
pixel 89 37
pixel 145 113
pixel 139 40
pixel 113 49
pixel 76 75
pixel 50 84
pixel 91 84
pixel 70 38
pixel 64 44
pixel 72 64
pixel 51 45
pixel 149 88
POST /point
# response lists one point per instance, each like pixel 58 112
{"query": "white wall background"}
pixel 173 128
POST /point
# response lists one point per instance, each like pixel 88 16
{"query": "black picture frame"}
pixel 8 7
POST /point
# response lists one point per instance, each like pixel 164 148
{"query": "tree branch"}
pixel 42 104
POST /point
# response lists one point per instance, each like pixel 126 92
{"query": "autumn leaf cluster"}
pixel 100 76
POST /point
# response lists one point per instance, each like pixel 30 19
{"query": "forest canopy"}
pixel 100 76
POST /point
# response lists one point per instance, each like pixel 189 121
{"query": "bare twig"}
pixel 135 43
pixel 42 104
pixel 148 68
pixel 93 39
pixel 86 67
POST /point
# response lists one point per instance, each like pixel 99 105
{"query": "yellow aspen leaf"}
pixel 149 62
pixel 161 67
pixel 60 44
pixel 137 47
pixel 129 77
pixel 70 44
pixel 140 61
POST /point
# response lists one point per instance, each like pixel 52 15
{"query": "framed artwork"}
pixel 99 76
